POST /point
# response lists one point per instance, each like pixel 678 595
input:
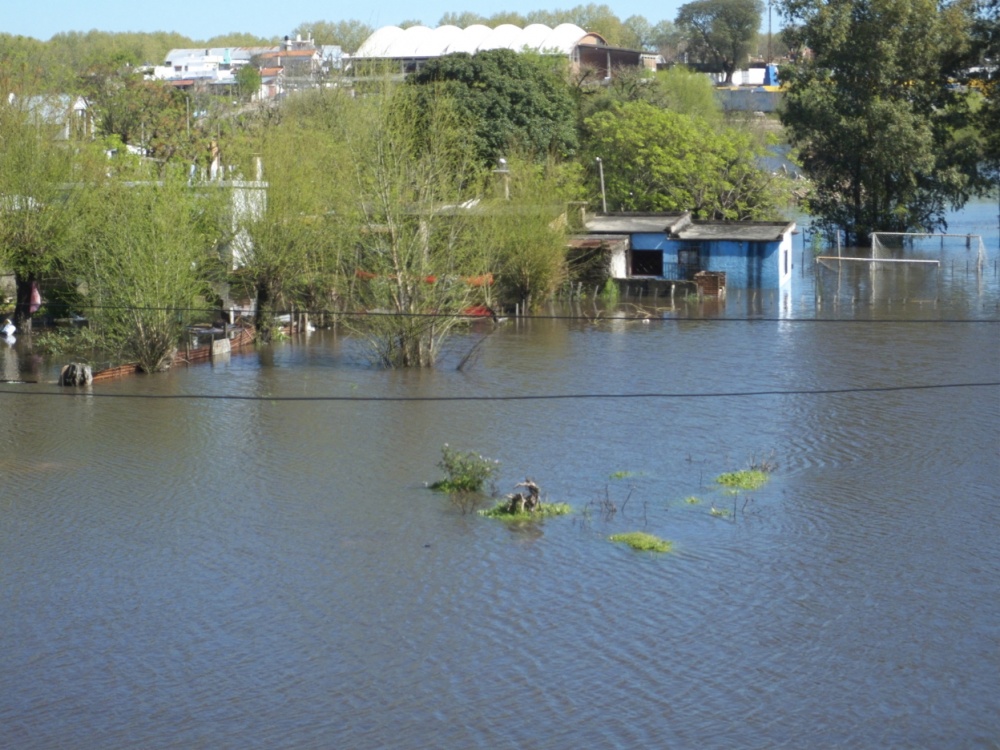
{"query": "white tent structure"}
pixel 412 46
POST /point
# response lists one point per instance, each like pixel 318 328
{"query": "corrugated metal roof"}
pixel 590 241
pixel 680 226
pixel 634 223
pixel 740 231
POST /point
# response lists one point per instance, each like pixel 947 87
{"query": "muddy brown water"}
pixel 264 572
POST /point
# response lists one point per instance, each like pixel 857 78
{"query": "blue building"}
pixel 755 255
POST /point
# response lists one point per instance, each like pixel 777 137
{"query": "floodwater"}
pixel 243 555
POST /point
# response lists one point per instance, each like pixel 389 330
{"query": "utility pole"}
pixel 604 198
pixel 768 32
pixel 505 175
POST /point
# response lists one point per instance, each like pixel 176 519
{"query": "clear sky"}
pixel 42 19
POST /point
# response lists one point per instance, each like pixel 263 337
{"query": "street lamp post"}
pixel 768 32
pixel 505 175
pixel 604 197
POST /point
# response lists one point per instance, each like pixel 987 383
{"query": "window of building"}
pixel 647 263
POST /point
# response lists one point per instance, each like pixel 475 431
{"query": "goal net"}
pixel 892 249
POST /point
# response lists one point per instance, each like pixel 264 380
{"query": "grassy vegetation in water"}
pixel 692 500
pixel 545 510
pixel 610 293
pixel 621 475
pixel 748 479
pixel 465 472
pixel 640 540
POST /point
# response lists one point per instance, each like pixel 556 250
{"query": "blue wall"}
pixel 746 264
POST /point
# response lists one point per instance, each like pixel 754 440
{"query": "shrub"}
pixel 748 479
pixel 465 472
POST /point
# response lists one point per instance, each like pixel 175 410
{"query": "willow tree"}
pixel 523 226
pixel 412 223
pixel 289 231
pixel 141 260
pixel 38 193
pixel 872 113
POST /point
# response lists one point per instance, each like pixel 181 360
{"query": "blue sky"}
pixel 269 18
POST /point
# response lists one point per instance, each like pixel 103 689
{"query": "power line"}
pixel 597 318
pixel 523 397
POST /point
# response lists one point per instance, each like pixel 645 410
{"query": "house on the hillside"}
pixel 295 63
pixel 69 116
pixel 675 247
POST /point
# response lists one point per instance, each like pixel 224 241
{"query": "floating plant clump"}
pixel 640 540
pixel 748 479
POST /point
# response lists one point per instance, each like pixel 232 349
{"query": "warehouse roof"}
pixel 392 42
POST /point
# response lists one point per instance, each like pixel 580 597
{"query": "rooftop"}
pixel 632 223
pixel 744 231
pixel 393 42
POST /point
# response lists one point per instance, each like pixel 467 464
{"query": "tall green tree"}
pixel 871 112
pixel 416 247
pixel 142 259
pixel 721 32
pixel 984 53
pixel 287 230
pixel 38 197
pixel 524 231
pixel 512 102
pixel 150 115
pixel 658 160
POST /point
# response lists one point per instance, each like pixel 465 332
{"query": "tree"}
pixel 150 115
pixel 349 35
pixel 658 160
pixel 677 89
pixel 511 101
pixel 415 248
pixel 237 39
pixel 140 259
pixel 524 232
pixel 872 114
pixel 248 82
pixel 290 230
pixel 721 32
pixel 667 39
pixel 984 52
pixel 37 198
pixel 462 20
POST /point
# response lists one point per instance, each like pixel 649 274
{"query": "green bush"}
pixel 464 472
pixel 748 479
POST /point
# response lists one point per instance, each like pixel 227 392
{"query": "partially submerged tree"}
pixel 140 260
pixel 417 253
pixel 873 116
pixel 524 229
pixel 288 230
pixel 37 199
